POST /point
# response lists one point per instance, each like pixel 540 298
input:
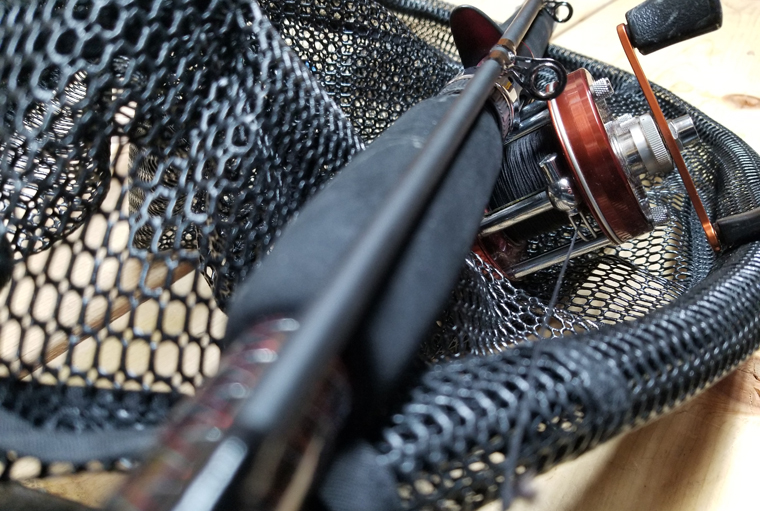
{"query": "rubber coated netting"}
pixel 151 152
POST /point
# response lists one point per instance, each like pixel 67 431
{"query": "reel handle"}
pixel 656 24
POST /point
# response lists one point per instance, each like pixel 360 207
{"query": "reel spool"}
pixel 572 163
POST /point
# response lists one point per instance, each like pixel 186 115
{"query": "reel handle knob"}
pixel 656 24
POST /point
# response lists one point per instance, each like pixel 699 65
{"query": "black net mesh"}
pixel 151 152
pixel 682 319
pixel 140 181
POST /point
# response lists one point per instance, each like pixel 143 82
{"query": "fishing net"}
pixel 150 154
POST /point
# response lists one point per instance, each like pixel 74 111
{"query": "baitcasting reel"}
pixel 568 162
pixel 572 163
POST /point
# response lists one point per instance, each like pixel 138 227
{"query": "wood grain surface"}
pixel 701 456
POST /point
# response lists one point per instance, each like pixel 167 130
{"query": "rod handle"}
pixel 312 248
pixel 656 24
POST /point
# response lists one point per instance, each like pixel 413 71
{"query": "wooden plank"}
pixel 90 489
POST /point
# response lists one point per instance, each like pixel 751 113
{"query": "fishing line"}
pixel 521 177
pixel 521 173
pixel 508 493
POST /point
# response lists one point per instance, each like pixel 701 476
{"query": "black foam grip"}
pixel 312 248
pixel 739 229
pixel 475 34
pixel 655 24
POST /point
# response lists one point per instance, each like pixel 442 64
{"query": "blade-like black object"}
pixel 475 34
pixel 314 247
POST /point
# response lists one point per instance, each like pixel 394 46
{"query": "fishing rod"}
pixel 329 274
pixel 324 331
